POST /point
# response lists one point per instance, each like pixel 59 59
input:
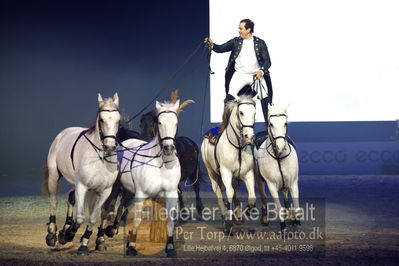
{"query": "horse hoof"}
pixel 131 251
pixel 69 235
pixel 61 237
pixel 51 239
pixel 83 250
pixel 171 253
pixel 110 231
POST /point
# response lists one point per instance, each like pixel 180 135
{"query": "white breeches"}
pixel 239 80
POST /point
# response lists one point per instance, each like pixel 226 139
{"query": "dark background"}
pixel 55 56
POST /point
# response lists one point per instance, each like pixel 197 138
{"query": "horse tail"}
pixel 45 189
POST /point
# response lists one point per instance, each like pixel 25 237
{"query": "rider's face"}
pixel 244 33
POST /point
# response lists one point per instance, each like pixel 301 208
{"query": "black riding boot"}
pixel 265 108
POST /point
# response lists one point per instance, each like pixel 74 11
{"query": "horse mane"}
pixel 230 106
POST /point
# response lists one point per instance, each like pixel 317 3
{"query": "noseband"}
pixel 102 136
pixel 167 137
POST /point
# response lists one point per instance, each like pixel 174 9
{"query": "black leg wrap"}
pixel 116 223
pixel 229 206
pixel 87 233
pixel 101 231
pixel 69 220
pixel 282 226
pixel 124 216
pixel 52 219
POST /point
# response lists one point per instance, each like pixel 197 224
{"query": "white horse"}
pixel 151 169
pixel 86 158
pixel 277 163
pixel 231 157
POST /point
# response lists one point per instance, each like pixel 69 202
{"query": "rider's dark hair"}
pixel 249 24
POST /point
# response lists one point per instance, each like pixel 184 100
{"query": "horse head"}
pixel 107 123
pixel 147 126
pixel 277 129
pixel 242 117
pixel 166 122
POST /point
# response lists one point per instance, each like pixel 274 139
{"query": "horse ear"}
pixel 116 99
pixel 100 100
pixel 177 105
pixel 287 107
pixel 158 105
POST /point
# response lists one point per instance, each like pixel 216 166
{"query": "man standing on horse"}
pixel 249 60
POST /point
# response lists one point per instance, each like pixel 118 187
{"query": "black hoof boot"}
pixel 100 245
pixel 170 248
pixel 83 250
pixel 297 222
pixel 131 251
pixel 51 239
pixel 61 237
pixel 110 231
pixel 70 232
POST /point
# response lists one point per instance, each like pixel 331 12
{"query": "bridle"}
pixel 273 139
pixel 239 136
pixel 167 137
pixel 102 136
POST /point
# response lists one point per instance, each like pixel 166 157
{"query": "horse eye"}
pixel 271 124
pixel 285 124
pixel 241 113
pixel 101 120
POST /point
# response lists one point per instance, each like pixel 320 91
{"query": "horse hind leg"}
pixel 261 188
pixel 196 186
pixel 50 187
pixel 69 229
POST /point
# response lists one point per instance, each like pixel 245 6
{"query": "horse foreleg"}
pixel 274 192
pixel 132 235
pixel 295 198
pixel 171 201
pixel 261 188
pixel 237 204
pixel 227 178
pixel 218 191
pixel 50 185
